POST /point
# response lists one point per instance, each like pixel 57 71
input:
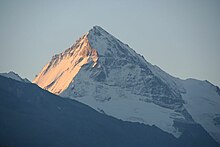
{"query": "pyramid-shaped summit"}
pixel 106 74
pixel 97 43
pixel 106 55
pixel 105 43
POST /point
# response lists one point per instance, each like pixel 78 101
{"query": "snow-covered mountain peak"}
pixel 106 44
pixel 106 74
pixel 97 30
pixel 100 39
pixel 96 46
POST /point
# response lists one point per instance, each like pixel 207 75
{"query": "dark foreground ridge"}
pixel 30 116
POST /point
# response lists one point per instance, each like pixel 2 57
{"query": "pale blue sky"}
pixel 180 36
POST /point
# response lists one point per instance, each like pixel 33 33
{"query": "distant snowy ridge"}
pixel 106 74
pixel 14 76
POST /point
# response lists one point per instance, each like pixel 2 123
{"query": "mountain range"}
pixel 107 75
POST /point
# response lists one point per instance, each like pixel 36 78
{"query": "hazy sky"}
pixel 180 36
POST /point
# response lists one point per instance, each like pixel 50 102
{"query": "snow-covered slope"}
pixel 106 74
pixel 202 101
pixel 14 76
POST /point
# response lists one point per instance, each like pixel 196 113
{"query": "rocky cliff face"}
pixel 60 71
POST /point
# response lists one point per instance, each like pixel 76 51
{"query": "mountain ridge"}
pixel 14 76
